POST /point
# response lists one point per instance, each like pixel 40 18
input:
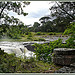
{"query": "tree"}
pixel 46 24
pixel 16 7
pixel 44 19
pixel 36 24
pixel 6 21
pixel 62 14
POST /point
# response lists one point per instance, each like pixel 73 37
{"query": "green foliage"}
pixel 11 64
pixel 29 38
pixel 7 62
pixel 16 7
pixel 70 29
pixel 52 33
pixel 14 32
pixel 44 51
pixel 26 33
pixel 1 52
pixel 41 39
pixel 30 60
pixel 38 33
pixel 63 18
pixel 29 35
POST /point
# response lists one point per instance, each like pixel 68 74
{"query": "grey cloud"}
pixel 38 14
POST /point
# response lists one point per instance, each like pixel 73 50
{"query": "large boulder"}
pixel 64 56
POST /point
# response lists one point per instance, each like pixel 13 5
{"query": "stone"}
pixel 30 48
pixel 64 56
pixel 66 69
pixel 72 65
pixel 64 51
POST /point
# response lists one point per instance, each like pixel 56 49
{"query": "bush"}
pixel 42 39
pixel 52 33
pixel 26 33
pixel 44 51
pixel 38 33
pixel 29 38
pixel 29 35
pixel 70 29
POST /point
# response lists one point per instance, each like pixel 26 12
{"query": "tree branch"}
pixel 3 9
pixel 72 17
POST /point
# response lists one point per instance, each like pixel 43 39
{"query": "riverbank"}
pixel 38 36
pixel 26 65
pixel 11 64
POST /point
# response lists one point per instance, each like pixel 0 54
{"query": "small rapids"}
pixel 15 47
pixel 19 48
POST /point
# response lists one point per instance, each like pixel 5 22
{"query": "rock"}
pixel 64 56
pixel 66 69
pixel 30 48
pixel 72 65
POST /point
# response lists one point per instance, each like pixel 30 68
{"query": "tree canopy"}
pixel 63 13
pixel 14 6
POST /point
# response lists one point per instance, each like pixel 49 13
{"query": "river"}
pixel 19 48
pixel 15 47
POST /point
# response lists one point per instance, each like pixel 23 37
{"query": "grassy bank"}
pixel 11 64
pixel 32 36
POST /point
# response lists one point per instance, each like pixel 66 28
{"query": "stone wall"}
pixel 64 56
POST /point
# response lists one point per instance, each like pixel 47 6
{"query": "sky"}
pixel 35 10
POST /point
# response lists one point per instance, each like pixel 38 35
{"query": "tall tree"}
pixel 46 24
pixel 44 19
pixel 36 26
pixel 63 13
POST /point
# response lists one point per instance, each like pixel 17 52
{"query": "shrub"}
pixel 26 33
pixel 52 33
pixel 44 51
pixel 38 33
pixel 29 35
pixel 70 29
pixel 29 38
pixel 42 39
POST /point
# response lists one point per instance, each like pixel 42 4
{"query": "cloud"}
pixel 35 10
pixel 38 8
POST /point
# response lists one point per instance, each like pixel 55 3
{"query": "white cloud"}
pixel 35 11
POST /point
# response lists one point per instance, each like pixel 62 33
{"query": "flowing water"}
pixel 15 47
pixel 19 47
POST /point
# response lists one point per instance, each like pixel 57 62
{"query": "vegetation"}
pixel 52 33
pixel 16 7
pixel 9 63
pixel 59 18
pixel 59 22
pixel 38 33
pixel 44 51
